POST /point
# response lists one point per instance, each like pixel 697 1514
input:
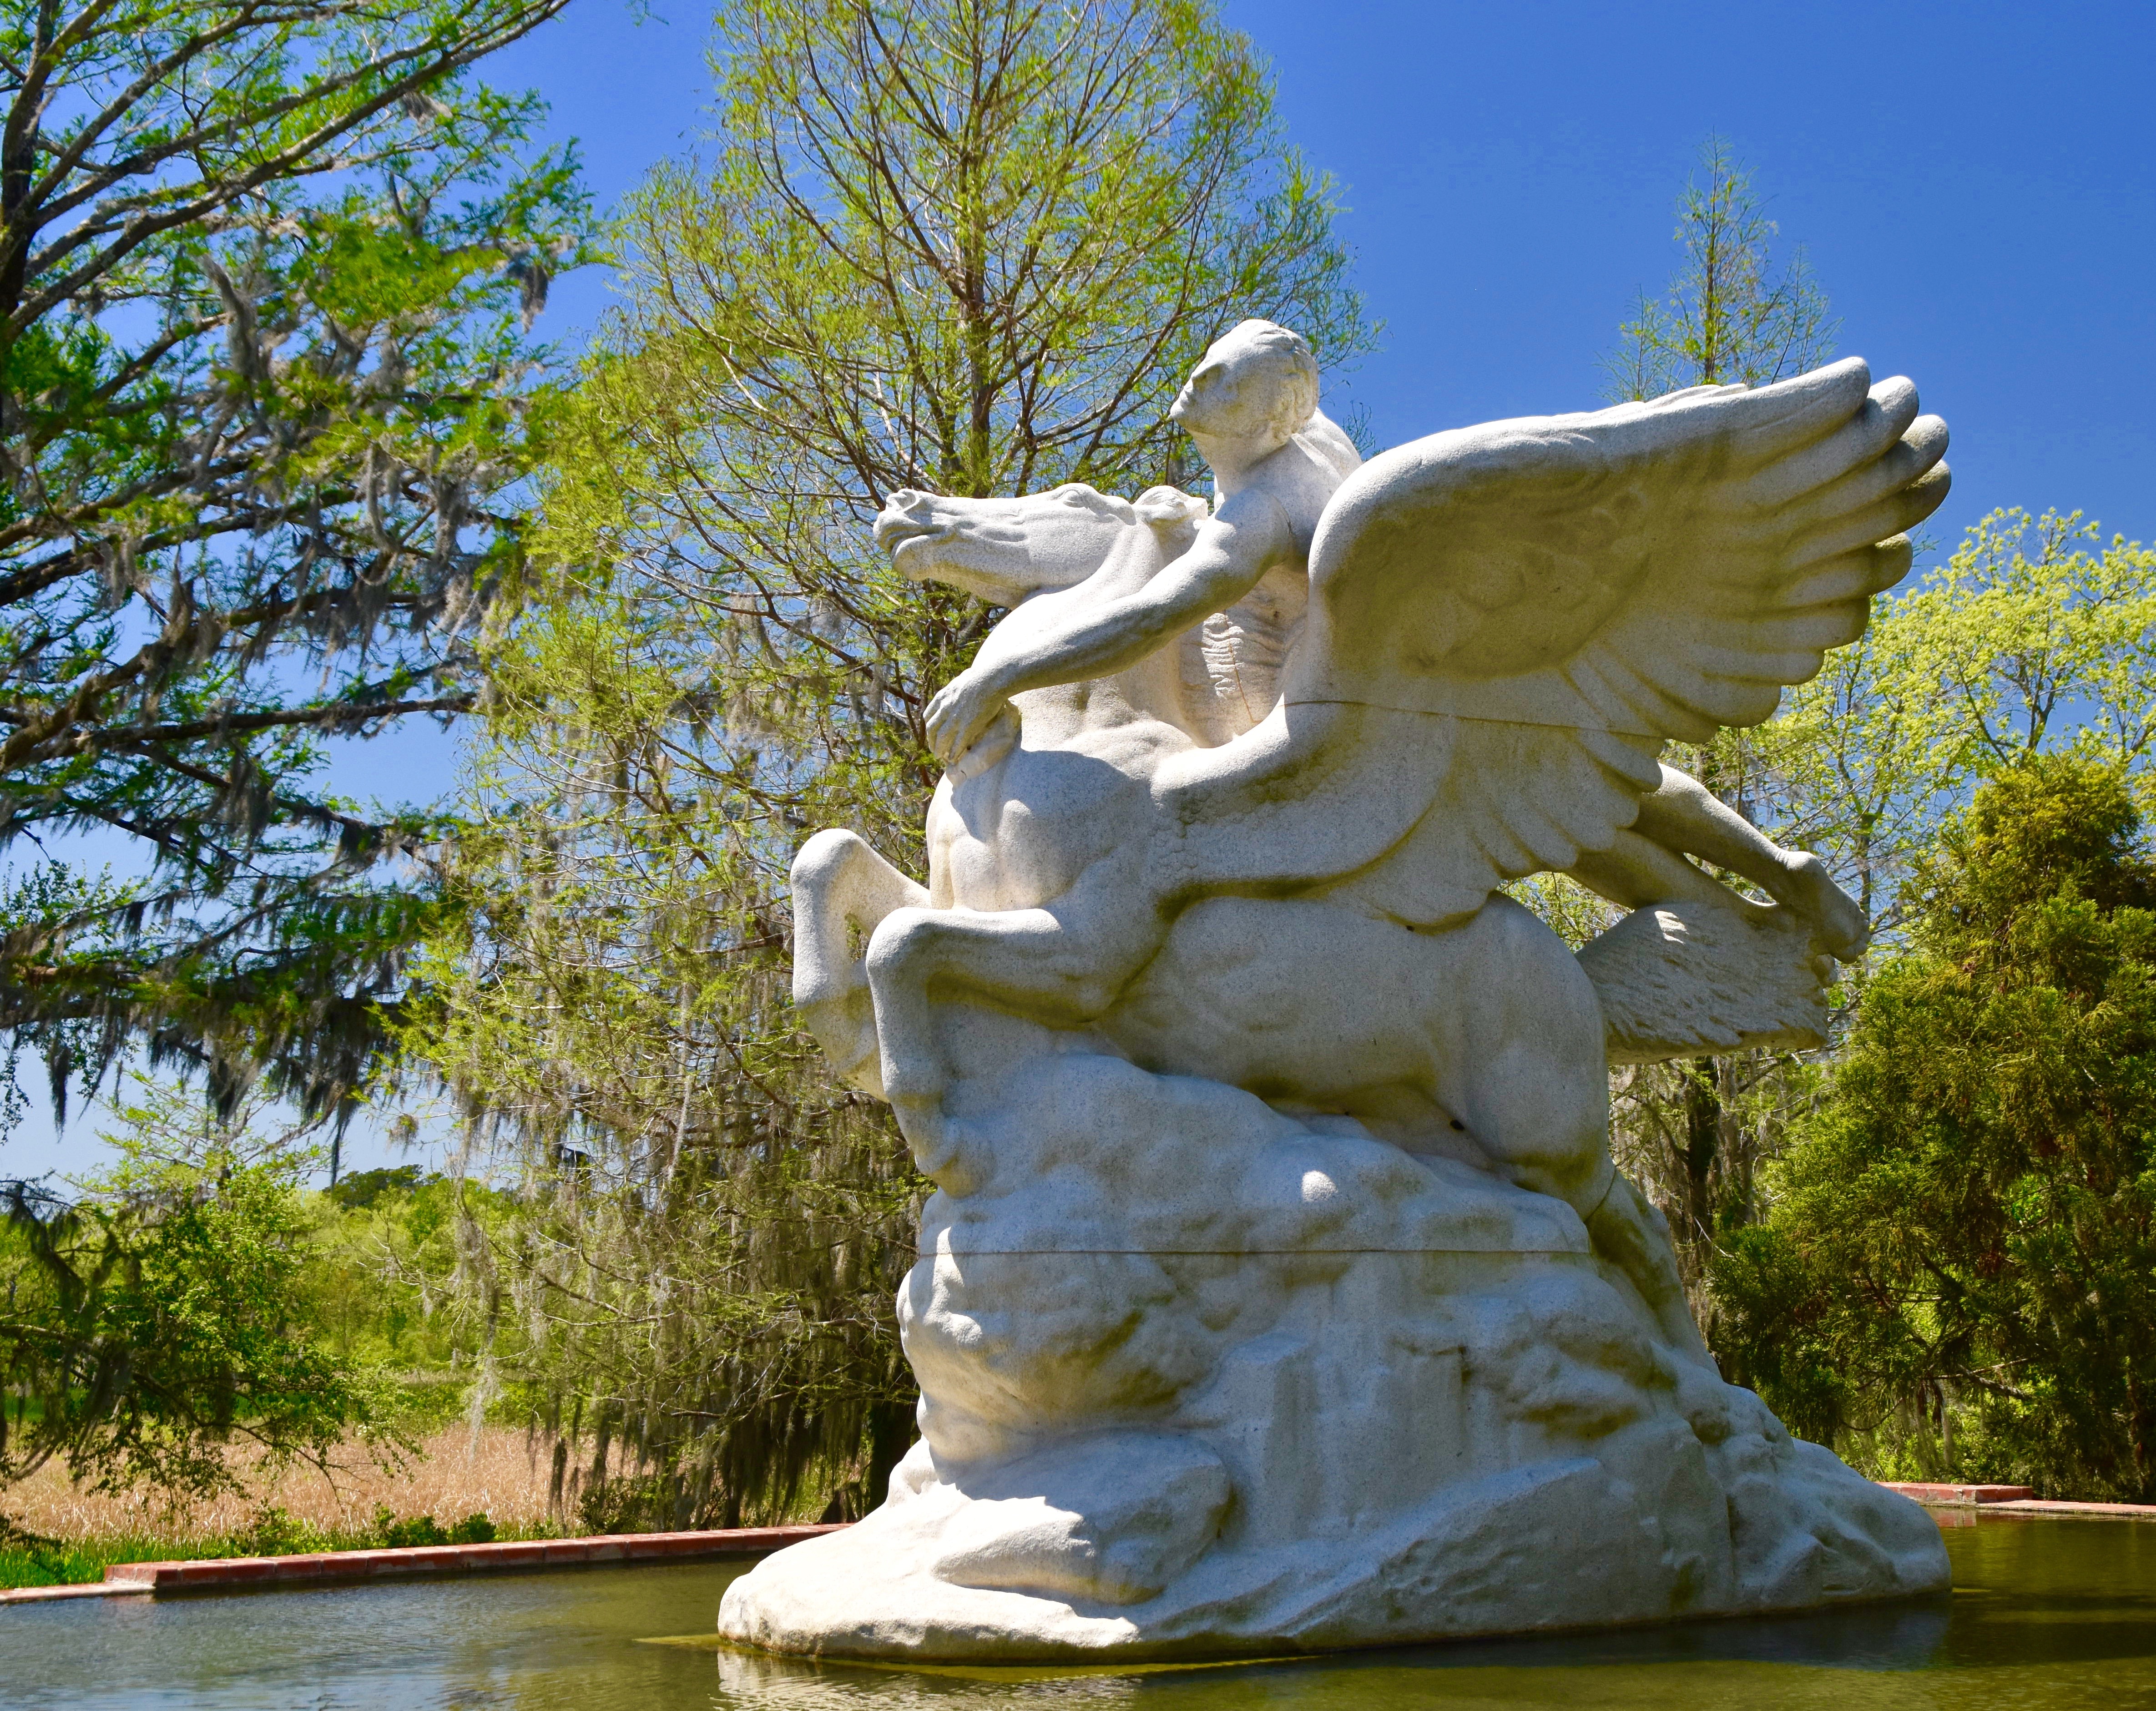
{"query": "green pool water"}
pixel 2044 1613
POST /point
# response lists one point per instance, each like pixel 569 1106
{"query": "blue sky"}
pixel 1975 184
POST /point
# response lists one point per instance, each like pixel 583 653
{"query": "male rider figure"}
pixel 1251 407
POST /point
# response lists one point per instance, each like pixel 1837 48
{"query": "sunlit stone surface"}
pixel 1280 1291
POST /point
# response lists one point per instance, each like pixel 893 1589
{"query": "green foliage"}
pixel 358 1190
pixel 382 1288
pixel 364 1274
pixel 1958 1274
pixel 1728 317
pixel 277 1532
pixel 2024 642
pixel 164 1316
pixel 28 1560
pixel 266 406
pixel 392 1534
pixel 2032 638
pixel 970 245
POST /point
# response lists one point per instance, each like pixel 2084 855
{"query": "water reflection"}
pixel 2044 1613
pixel 1896 1636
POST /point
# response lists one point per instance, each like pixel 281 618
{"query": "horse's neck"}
pixel 1151 692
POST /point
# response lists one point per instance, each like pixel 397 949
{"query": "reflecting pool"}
pixel 2045 1613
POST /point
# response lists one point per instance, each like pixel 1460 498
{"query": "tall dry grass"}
pixel 499 1473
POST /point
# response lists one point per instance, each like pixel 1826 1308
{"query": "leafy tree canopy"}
pixel 1731 314
pixel 1958 1269
pixel 165 1317
pixel 967 245
pixel 266 396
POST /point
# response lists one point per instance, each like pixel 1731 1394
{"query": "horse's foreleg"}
pixel 843 890
pixel 1635 871
pixel 1061 966
pixel 1683 815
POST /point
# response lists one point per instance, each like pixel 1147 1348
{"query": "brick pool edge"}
pixel 218 1574
pixel 1959 1494
pixel 2012 1500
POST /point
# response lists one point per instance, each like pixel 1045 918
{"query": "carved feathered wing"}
pixel 1508 622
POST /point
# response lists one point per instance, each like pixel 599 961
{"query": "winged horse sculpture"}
pixel 1272 851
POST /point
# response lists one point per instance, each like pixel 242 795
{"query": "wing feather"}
pixel 1852 577
pixel 1646 709
pixel 1877 422
pixel 1908 457
pixel 1801 635
pixel 1567 592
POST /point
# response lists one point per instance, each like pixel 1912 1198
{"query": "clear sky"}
pixel 1975 183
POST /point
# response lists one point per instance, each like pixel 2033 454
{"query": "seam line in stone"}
pixel 1381 707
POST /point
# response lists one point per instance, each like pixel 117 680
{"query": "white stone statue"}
pixel 1280 1291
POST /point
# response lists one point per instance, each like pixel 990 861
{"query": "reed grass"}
pixel 500 1474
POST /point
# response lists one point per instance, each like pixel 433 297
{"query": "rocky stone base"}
pixel 1223 1381
pixel 1561 1544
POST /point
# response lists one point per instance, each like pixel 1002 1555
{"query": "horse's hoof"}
pixel 1840 923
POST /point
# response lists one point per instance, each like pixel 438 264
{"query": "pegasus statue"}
pixel 1216 892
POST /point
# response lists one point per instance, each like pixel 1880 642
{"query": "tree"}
pixel 1696 1130
pixel 1729 317
pixel 265 403
pixel 2030 639
pixel 969 245
pixel 1956 1273
pixel 2024 642
pixel 165 1315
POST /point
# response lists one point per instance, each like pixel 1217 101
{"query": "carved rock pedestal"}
pixel 1201 1378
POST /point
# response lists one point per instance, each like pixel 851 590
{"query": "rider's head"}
pixel 1257 383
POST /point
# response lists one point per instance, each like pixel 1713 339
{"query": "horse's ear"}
pixel 1170 507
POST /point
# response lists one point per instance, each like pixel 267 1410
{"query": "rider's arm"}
pixel 1232 552
pixel 1235 547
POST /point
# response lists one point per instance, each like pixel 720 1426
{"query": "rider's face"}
pixel 1230 395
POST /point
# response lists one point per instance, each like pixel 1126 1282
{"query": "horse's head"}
pixel 1005 549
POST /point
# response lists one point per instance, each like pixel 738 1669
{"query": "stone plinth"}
pixel 1199 1377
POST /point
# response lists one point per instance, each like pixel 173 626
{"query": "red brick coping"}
pixel 317 1566
pixel 331 1565
pixel 1961 1494
pixel 2014 1500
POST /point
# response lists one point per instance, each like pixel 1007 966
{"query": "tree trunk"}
pixel 891 1432
pixel 1702 1147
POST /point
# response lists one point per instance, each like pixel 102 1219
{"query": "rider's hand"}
pixel 961 712
pixel 991 745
